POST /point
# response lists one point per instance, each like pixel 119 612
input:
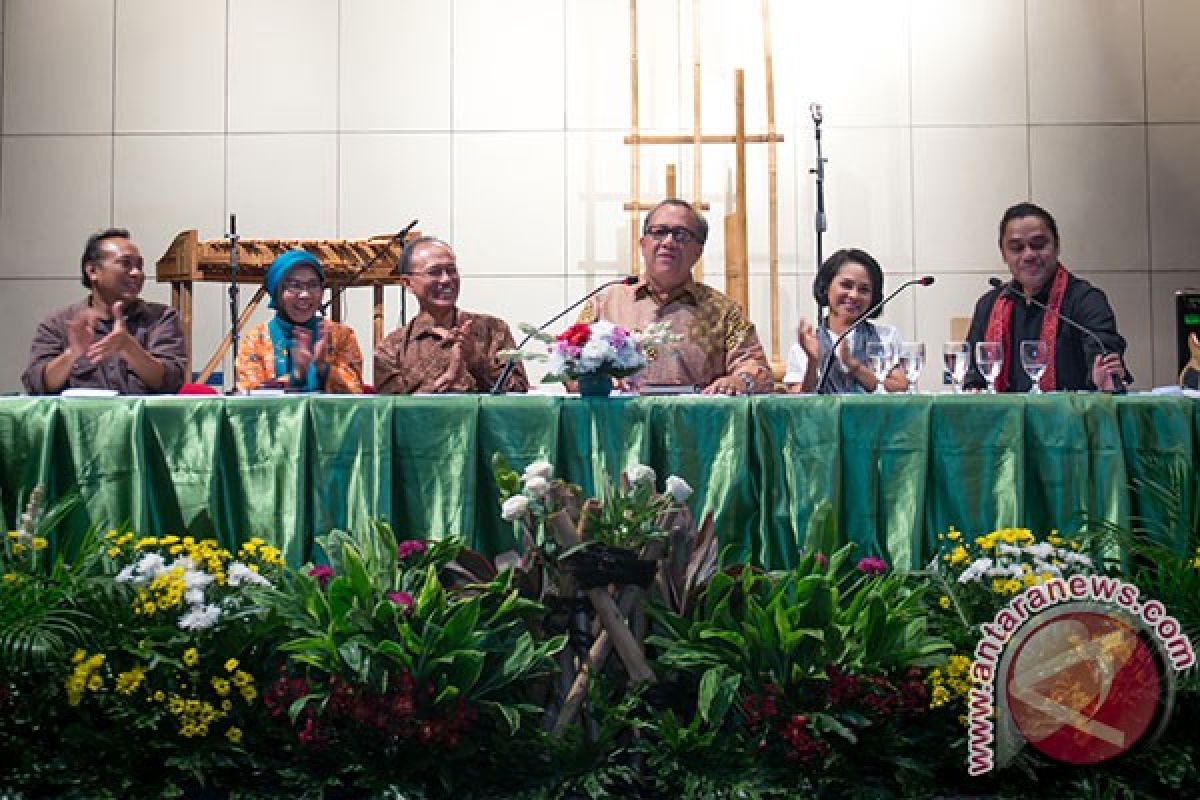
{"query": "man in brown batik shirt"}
pixel 718 351
pixel 112 339
pixel 443 349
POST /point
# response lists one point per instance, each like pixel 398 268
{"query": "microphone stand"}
pixel 1009 289
pixel 819 171
pixel 234 334
pixel 924 281
pixel 358 273
pixel 628 280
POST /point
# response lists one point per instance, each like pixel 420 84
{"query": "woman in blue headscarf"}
pixel 847 285
pixel 299 349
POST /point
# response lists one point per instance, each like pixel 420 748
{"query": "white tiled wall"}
pixel 499 126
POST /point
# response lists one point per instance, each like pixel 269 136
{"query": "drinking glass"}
pixel 989 357
pixel 882 357
pixel 957 356
pixel 912 358
pixel 1035 357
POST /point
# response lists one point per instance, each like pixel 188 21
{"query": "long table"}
pixel 893 470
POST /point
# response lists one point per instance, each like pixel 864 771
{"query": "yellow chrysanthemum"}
pixel 249 693
pixel 40 543
pixel 231 665
pixel 234 735
pixel 940 697
pixel 953 535
pixel 944 602
pixel 959 556
pixel 241 678
pixel 11 578
pixel 220 686
pixel 95 683
pixel 191 657
pixel 128 682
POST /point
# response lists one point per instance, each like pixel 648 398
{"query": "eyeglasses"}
pixel 298 287
pixel 681 235
pixel 436 272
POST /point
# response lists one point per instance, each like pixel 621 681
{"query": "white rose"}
pixel 514 507
pixel 640 473
pixel 538 469
pixel 678 488
pixel 537 486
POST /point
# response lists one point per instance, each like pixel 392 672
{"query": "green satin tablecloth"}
pixel 895 470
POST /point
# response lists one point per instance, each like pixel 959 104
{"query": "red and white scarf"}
pixel 999 329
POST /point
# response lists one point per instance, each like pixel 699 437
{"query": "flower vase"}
pixel 595 385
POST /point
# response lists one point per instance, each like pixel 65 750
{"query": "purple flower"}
pixel 821 559
pixel 323 573
pixel 410 547
pixel 403 599
pixel 872 566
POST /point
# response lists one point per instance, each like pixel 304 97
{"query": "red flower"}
pixel 577 335
pixel 323 573
pixel 409 547
pixel 403 599
pixel 872 566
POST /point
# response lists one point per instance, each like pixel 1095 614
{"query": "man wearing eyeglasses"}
pixel 443 349
pixel 112 339
pixel 718 351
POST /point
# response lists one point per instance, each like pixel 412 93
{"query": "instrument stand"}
pixel 234 326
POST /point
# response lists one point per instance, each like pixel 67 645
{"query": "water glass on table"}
pixel 957 357
pixel 882 357
pixel 912 359
pixel 1035 358
pixel 989 357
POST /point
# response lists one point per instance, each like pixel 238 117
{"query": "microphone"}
pixel 399 237
pixel 924 280
pixel 817 115
pixel 1008 288
pixel 628 280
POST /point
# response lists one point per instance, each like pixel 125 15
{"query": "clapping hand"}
pixel 81 332
pixel 117 342
pixel 806 335
pixel 462 352
pixel 1106 370
pixel 303 352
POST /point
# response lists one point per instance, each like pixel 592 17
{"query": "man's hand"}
pixel 81 332
pixel 117 342
pixel 728 385
pixel 1106 370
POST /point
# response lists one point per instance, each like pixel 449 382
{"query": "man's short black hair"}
pixel 92 252
pixel 701 222
pixel 1022 210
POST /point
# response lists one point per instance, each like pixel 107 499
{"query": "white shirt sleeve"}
pixel 797 365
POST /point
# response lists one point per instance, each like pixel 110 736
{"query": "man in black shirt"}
pixel 1029 244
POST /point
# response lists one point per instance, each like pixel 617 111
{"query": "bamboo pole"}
pixel 708 138
pixel 635 163
pixel 672 181
pixel 772 188
pixel 739 287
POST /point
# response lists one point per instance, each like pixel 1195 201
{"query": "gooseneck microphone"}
pixel 924 280
pixel 1011 290
pixel 628 280
pixel 358 273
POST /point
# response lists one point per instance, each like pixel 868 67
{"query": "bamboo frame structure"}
pixel 737 261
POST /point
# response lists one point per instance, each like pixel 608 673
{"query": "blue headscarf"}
pixel 281 328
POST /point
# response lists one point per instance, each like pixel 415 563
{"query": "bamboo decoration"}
pixel 772 191
pixel 635 164
pixel 697 184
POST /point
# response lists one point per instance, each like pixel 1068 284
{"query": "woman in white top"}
pixel 847 284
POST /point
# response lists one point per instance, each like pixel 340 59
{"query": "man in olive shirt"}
pixel 718 350
pixel 112 339
pixel 443 349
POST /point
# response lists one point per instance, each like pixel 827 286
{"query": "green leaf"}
pixel 718 688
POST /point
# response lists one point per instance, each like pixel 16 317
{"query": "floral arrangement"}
pixel 597 348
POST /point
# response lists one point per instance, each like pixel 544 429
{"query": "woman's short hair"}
pixel 1022 210
pixel 829 270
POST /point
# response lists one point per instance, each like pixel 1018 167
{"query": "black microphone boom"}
pixel 358 273
pixel 628 280
pixel 924 280
pixel 1008 288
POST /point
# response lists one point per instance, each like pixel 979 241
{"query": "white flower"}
pixel 150 565
pixel 537 486
pixel 1016 571
pixel 1040 551
pixel 538 469
pixel 238 573
pixel 595 354
pixel 1078 558
pixel 514 507
pixel 602 329
pixel 200 618
pixel 977 569
pixel 196 579
pixel 678 488
pixel 640 473
pixel 1003 549
pixel 125 575
pixel 194 597
pixel 556 364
